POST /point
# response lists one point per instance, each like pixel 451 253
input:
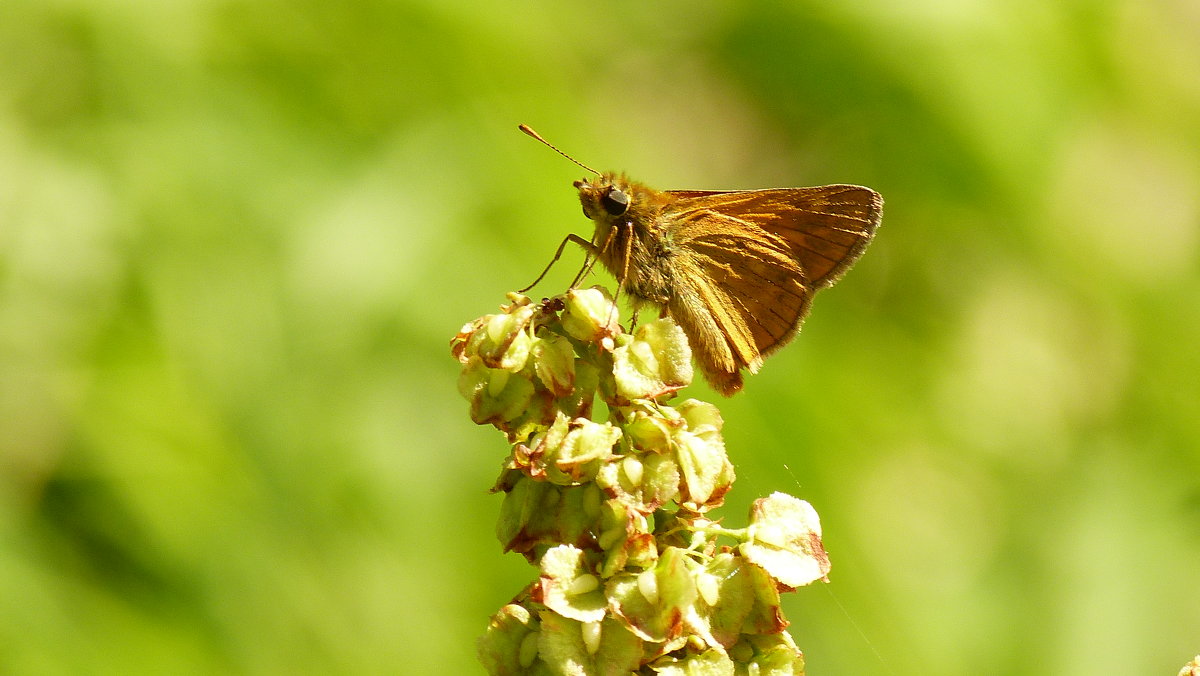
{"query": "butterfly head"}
pixel 605 197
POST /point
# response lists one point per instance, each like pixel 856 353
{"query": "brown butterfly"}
pixel 736 269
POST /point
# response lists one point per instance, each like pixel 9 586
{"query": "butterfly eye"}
pixel 615 202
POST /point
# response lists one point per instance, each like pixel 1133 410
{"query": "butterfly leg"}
pixel 637 309
pixel 636 312
pixel 589 261
pixel 589 247
pixel 628 253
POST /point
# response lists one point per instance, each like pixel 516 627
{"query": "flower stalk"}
pixel 607 491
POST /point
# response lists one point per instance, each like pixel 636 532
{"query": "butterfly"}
pixel 736 269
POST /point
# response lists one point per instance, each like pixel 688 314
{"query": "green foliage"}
pixel 235 235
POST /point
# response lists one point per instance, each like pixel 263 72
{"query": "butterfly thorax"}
pixel 630 235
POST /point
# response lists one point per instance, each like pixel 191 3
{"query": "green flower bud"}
pixel 571 647
pixel 660 480
pixel 772 655
pixel 590 315
pixel 653 603
pixel 657 362
pixel 504 647
pixel 700 452
pixel 554 363
pixel 497 396
pixel 785 540
pixel 625 538
pixel 559 587
pixel 501 340
pixel 537 515
pixel 707 663
pixel 571 451
pixel 738 598
pixel 644 482
pixel 703 419
pixel 578 403
pixel 649 431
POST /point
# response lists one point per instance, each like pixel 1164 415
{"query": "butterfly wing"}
pixel 756 257
pixel 827 227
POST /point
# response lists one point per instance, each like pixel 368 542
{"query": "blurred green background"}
pixel 236 238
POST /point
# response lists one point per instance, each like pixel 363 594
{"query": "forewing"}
pixel 747 277
pixel 826 227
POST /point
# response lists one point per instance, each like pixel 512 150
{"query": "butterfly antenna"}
pixel 527 130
